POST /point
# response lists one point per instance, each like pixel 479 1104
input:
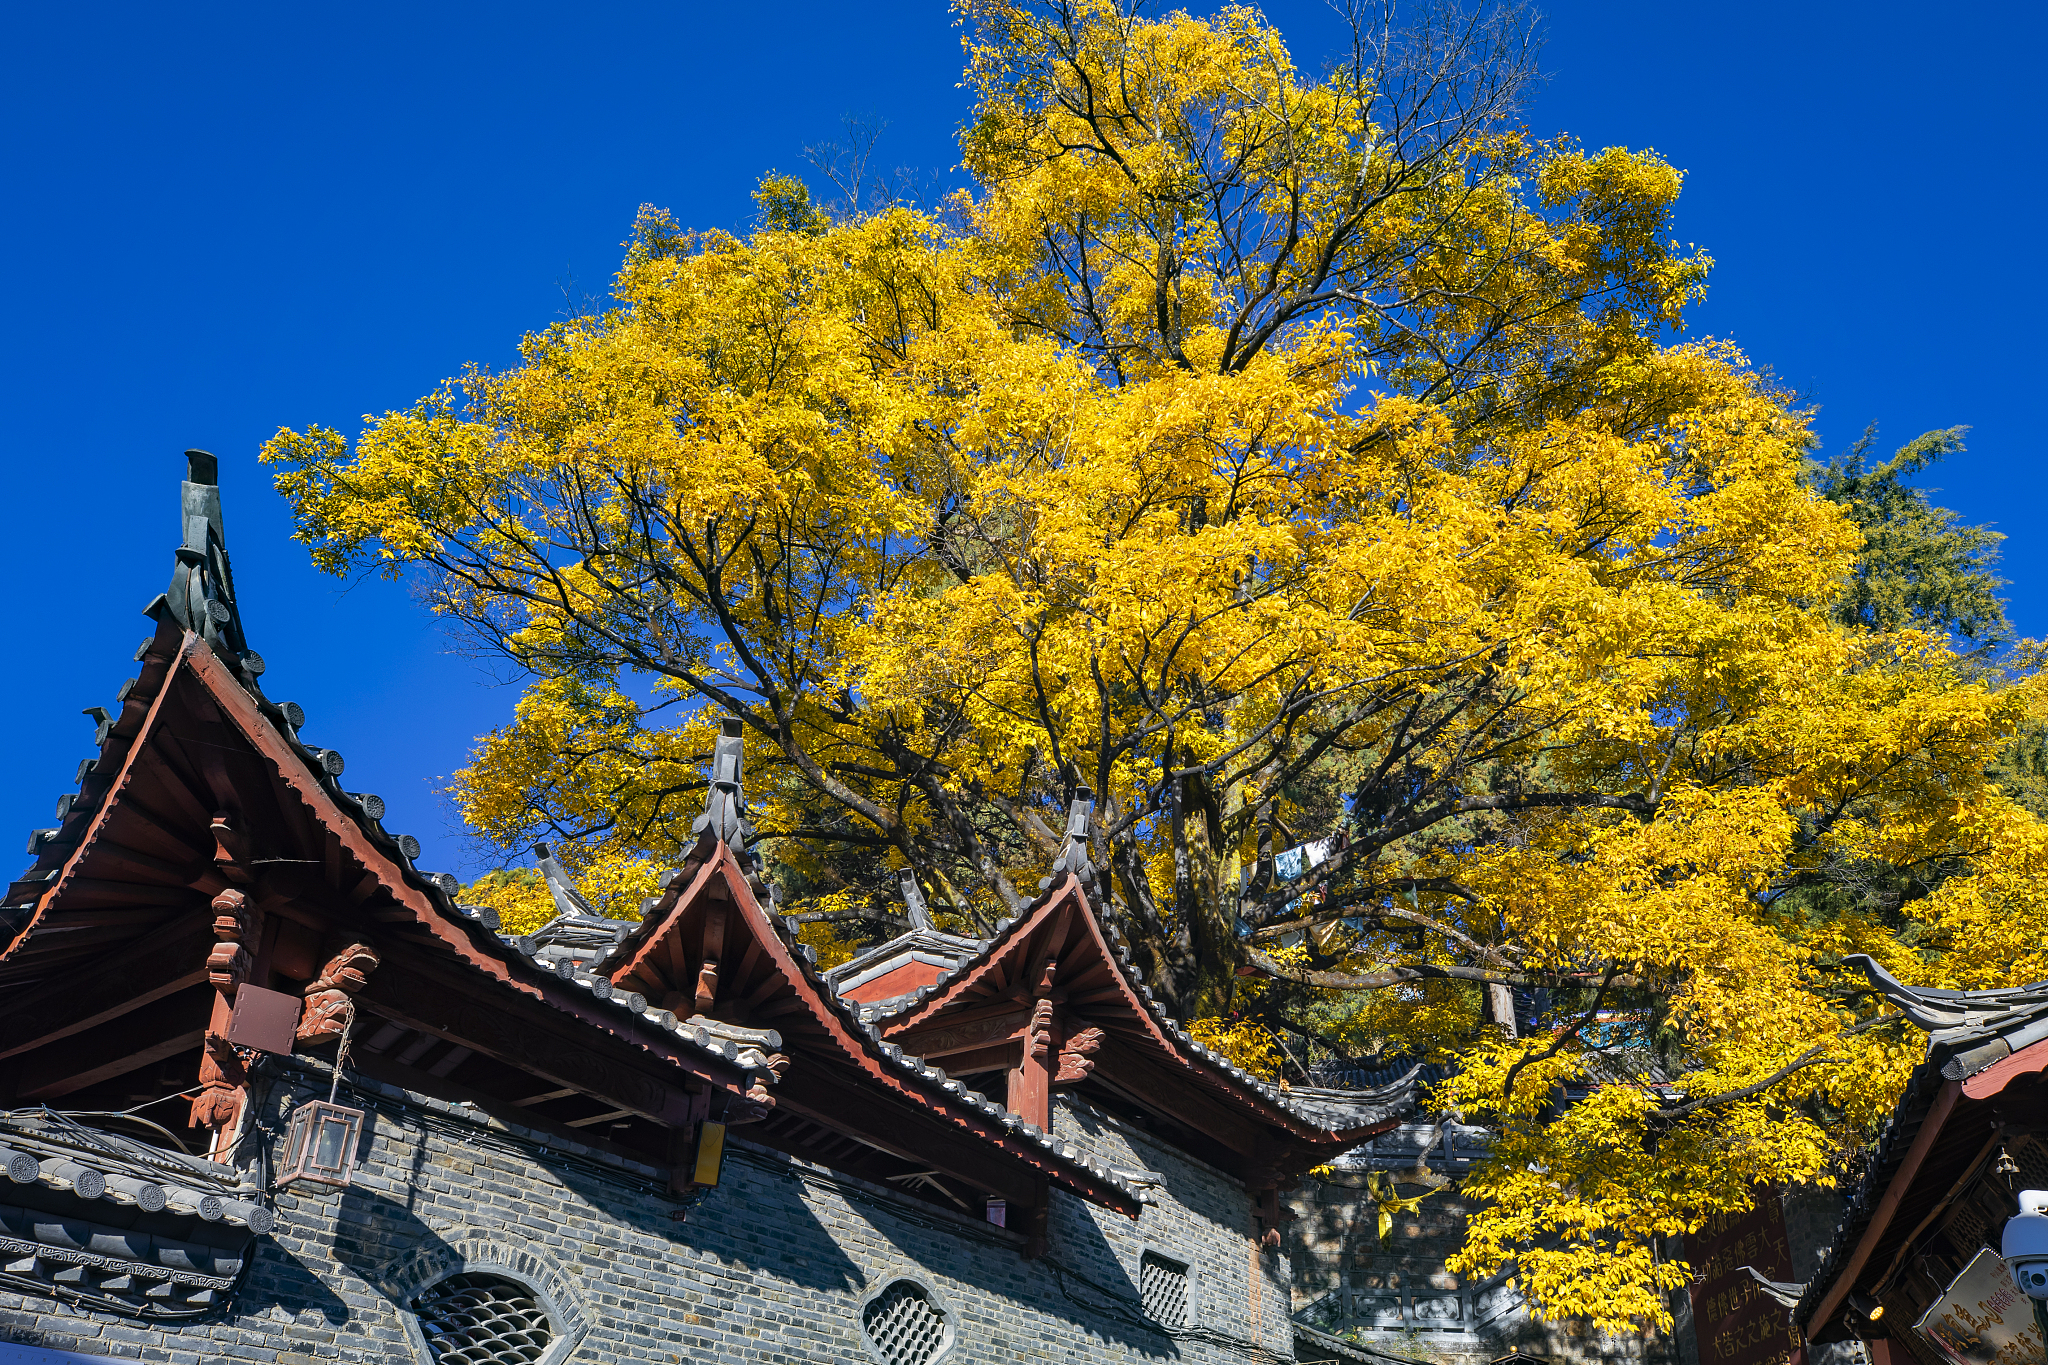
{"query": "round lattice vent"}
pixel 483 1320
pixel 903 1325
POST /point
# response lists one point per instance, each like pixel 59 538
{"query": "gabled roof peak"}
pixel 920 957
pixel 829 1039
pixel 1092 932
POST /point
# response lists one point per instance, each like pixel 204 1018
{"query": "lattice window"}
pixel 483 1320
pixel 1163 1286
pixel 1966 1227
pixel 903 1325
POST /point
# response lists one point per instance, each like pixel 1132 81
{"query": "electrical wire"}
pixel 1206 1335
pixel 124 1113
pixel 469 1130
pixel 169 1136
pixel 96 1140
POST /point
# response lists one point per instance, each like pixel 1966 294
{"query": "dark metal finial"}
pixel 202 467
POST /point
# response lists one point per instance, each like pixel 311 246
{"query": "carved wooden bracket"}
pixel 1038 1039
pixel 231 851
pixel 1037 1239
pixel 234 920
pixel 1268 1217
pixel 1077 1058
pixel 705 996
pixel 326 1010
pixel 756 1106
pixel 760 1102
pixel 219 1104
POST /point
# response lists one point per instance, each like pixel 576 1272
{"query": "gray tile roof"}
pixel 1333 1110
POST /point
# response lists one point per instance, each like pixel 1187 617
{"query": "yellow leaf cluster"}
pixel 519 895
pixel 1244 1043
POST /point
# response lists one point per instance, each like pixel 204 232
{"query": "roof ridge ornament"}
pixel 913 901
pixel 725 804
pixel 578 935
pixel 1073 856
pixel 201 597
pixel 1966 1030
pixel 568 900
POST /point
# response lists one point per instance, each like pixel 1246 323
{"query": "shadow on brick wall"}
pixel 279 1279
pixel 757 1220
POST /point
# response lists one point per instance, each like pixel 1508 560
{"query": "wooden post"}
pixel 706 996
pixel 238 934
pixel 1030 1096
pixel 1037 1223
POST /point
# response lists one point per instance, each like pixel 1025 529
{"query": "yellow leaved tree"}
pixel 1310 473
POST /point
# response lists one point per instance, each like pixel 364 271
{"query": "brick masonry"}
pixel 771 1266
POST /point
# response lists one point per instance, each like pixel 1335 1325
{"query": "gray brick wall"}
pixel 1202 1217
pixel 772 1266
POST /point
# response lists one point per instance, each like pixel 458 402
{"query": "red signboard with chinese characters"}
pixel 1736 1322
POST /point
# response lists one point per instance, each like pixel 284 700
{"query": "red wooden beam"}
pixel 1138 1074
pixel 1992 1079
pixel 835 1104
pixel 497 1106
pixel 1887 1206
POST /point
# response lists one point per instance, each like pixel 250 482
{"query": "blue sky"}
pixel 225 219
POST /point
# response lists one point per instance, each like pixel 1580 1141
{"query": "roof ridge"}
pixel 870 1033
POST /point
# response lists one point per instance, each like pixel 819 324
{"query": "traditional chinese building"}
pixel 271 1093
pixel 1938 1187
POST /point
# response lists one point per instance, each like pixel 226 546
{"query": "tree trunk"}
pixel 1205 902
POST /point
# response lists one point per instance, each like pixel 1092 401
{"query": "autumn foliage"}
pixel 1273 457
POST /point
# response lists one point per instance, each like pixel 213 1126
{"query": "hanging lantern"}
pixel 320 1145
